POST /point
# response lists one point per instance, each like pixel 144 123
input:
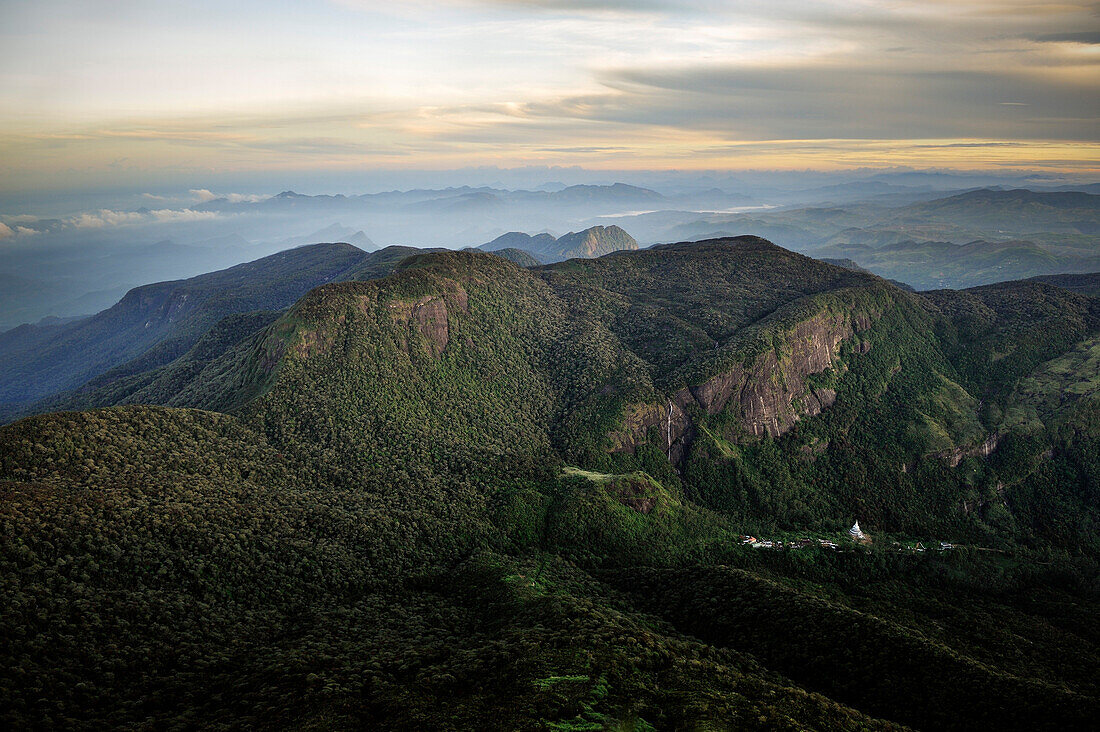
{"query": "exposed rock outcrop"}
pixel 769 395
pixel 985 449
pixel 671 421
pixel 429 316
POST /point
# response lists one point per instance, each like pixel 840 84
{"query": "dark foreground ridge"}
pixel 469 493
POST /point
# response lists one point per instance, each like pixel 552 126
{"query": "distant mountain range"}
pixel 334 233
pixel 970 238
pixel 65 268
pixel 464 198
pixel 927 265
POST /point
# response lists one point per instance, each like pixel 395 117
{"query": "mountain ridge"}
pixel 594 241
pixel 470 490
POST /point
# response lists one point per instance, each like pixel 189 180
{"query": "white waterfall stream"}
pixel 669 429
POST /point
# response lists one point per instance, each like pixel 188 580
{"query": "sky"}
pixel 110 93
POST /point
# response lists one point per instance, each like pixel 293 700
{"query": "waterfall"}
pixel 669 429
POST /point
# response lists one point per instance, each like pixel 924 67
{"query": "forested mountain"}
pixel 1013 210
pixel 519 256
pixel 469 494
pixel 520 240
pixel 172 315
pixel 928 265
pixel 1086 284
pixel 156 324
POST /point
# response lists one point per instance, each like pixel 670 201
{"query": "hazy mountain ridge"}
pixel 1086 283
pixel 447 197
pixel 929 265
pixel 172 315
pixel 594 241
pixel 522 257
pixel 214 234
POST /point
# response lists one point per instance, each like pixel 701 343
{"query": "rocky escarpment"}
pixel 769 395
pixel 429 316
pixel 313 326
pixel 593 242
pixel 984 449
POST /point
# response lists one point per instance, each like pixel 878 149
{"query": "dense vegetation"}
pixel 473 495
pixel 154 324
pixel 518 256
pixel 1086 284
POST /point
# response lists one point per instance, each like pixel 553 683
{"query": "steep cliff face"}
pixel 768 396
pixel 429 316
pixel 594 242
pixel 982 450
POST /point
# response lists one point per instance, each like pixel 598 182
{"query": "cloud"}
pixel 20 219
pixel 632 7
pixel 172 215
pixel 153 197
pixel 202 195
pixel 5 231
pixel 1091 38
pixel 448 83
pixel 582 150
pixel 842 99
pixel 107 217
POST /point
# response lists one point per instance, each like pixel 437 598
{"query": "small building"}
pixel 855 532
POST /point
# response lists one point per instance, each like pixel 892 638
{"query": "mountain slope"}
pixel 519 240
pixel 518 256
pixel 172 315
pixel 930 265
pixel 594 241
pixel 1086 284
pixel 671 359
pixel 471 491
pixel 1017 210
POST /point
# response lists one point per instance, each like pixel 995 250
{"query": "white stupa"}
pixel 855 531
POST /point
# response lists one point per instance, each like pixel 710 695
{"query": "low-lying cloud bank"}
pixel 203 195
pixel 107 217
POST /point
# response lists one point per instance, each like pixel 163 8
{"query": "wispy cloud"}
pixel 107 217
pixel 203 195
pixel 1083 37
pixel 449 83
